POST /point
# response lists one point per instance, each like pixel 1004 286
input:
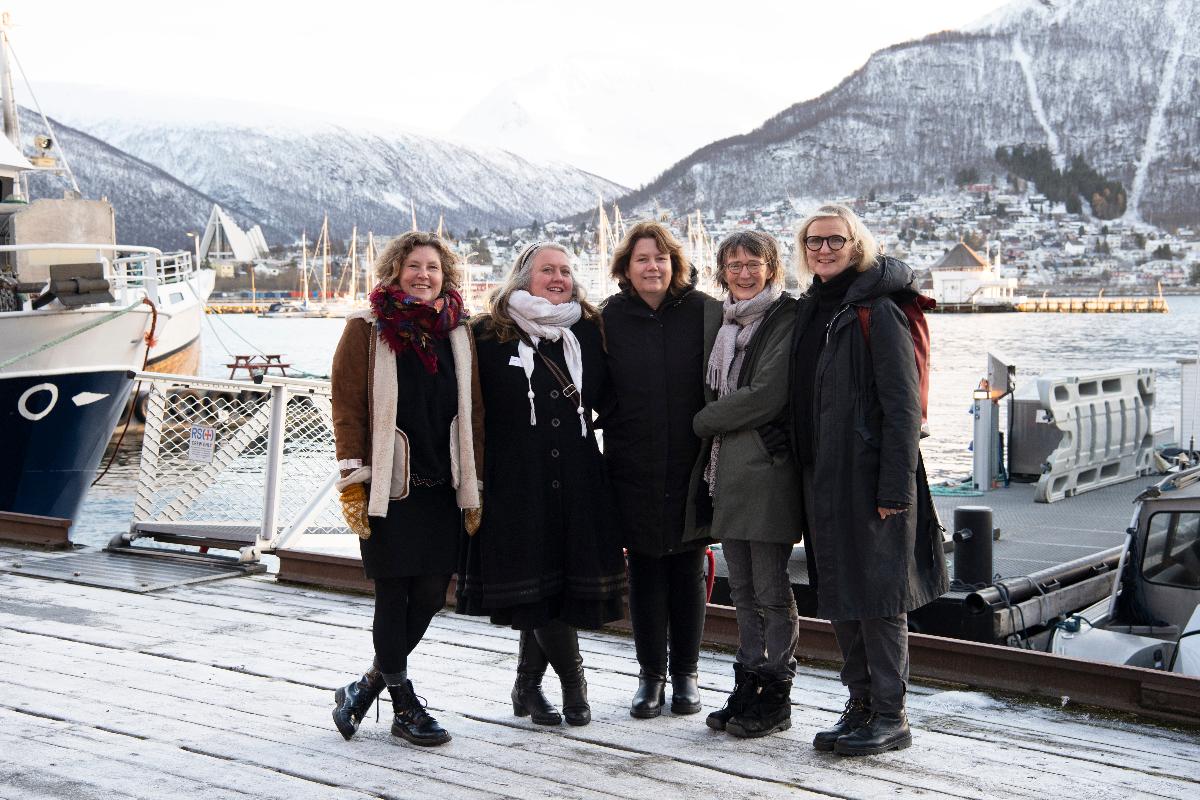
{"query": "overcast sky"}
pixel 587 76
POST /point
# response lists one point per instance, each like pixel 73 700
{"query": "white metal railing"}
pixel 239 465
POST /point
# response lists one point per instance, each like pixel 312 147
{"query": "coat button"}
pixel 554 453
pixel 554 484
pixel 554 394
pixel 554 423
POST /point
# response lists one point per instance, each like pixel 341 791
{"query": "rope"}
pixel 133 398
pixel 84 329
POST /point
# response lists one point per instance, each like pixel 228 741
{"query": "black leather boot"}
pixel 354 700
pixel 745 687
pixel 857 712
pixel 685 693
pixel 769 712
pixel 560 643
pixel 882 732
pixel 649 697
pixel 527 697
pixel 412 722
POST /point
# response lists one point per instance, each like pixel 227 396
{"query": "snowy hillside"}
pixel 152 208
pixel 287 178
pixel 1109 80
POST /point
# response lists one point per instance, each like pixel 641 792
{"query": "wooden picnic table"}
pixel 259 363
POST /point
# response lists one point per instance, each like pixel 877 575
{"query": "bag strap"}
pixel 568 387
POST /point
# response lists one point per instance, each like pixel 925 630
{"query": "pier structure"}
pixel 1099 304
pixel 223 689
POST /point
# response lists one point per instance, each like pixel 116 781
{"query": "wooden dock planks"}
pixel 224 690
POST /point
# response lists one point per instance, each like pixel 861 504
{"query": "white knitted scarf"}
pixel 540 319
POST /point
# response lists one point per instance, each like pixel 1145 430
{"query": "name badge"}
pixel 514 361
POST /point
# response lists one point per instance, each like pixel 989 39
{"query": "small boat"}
pixel 1152 617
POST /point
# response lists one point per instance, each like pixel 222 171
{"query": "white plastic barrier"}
pixel 1106 435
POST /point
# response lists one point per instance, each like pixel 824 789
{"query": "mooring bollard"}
pixel 973 545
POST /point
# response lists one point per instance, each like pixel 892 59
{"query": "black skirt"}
pixel 419 536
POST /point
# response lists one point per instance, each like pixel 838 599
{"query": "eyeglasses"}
pixel 753 267
pixel 835 242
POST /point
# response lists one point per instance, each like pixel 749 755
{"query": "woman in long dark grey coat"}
pixel 872 537
pixel 654 328
pixel 746 481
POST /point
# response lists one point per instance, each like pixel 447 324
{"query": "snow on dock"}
pixel 224 690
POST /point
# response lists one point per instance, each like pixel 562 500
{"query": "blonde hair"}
pixel 665 241
pixel 759 245
pixel 391 259
pixel 519 277
pixel 866 249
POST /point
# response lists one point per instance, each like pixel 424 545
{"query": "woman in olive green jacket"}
pixel 745 486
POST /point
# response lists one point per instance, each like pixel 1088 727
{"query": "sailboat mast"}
pixel 325 261
pixel 304 266
pixel 370 264
pixel 412 207
pixel 352 289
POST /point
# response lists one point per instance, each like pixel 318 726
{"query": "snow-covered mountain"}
pixel 152 208
pixel 1112 81
pixel 286 178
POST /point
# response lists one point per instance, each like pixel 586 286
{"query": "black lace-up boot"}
pixel 857 712
pixel 354 700
pixel 745 687
pixel 412 722
pixel 882 732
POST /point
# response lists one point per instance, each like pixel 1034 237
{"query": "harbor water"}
pixel 1037 344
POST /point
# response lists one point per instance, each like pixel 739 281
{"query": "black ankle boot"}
pixel 412 722
pixel 857 712
pixel 685 693
pixel 354 700
pixel 560 643
pixel 527 697
pixel 648 699
pixel 745 687
pixel 769 712
pixel 882 732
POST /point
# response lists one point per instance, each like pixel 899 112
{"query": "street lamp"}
pixel 196 243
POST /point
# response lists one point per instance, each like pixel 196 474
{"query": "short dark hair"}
pixel 681 269
pixel 759 245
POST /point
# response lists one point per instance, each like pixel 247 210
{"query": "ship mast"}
pixel 352 289
pixel 370 265
pixel 12 125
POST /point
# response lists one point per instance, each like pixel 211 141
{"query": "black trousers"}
pixel 666 602
pixel 404 608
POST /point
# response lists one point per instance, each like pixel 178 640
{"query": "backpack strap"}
pixel 864 323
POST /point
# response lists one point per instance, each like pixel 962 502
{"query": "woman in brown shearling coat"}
pixel 405 400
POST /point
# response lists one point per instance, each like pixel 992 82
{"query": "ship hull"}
pixel 56 427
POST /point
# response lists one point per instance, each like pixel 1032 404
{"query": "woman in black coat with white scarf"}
pixel 547 558
pixel 872 537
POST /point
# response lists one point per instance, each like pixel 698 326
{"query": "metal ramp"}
pixel 131 569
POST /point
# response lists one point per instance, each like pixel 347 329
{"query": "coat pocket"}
pixel 399 487
pixel 454 453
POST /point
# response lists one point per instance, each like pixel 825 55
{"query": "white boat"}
pixel 79 313
pixel 1152 617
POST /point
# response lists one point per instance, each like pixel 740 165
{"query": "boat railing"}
pixel 127 268
pixel 237 465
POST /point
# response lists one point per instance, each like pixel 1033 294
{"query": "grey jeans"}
pixel 768 626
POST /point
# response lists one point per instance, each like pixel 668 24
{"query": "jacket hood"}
pixel 886 276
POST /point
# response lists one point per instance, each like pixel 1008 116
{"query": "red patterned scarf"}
pixel 408 323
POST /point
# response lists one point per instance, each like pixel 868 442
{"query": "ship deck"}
pixel 223 690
